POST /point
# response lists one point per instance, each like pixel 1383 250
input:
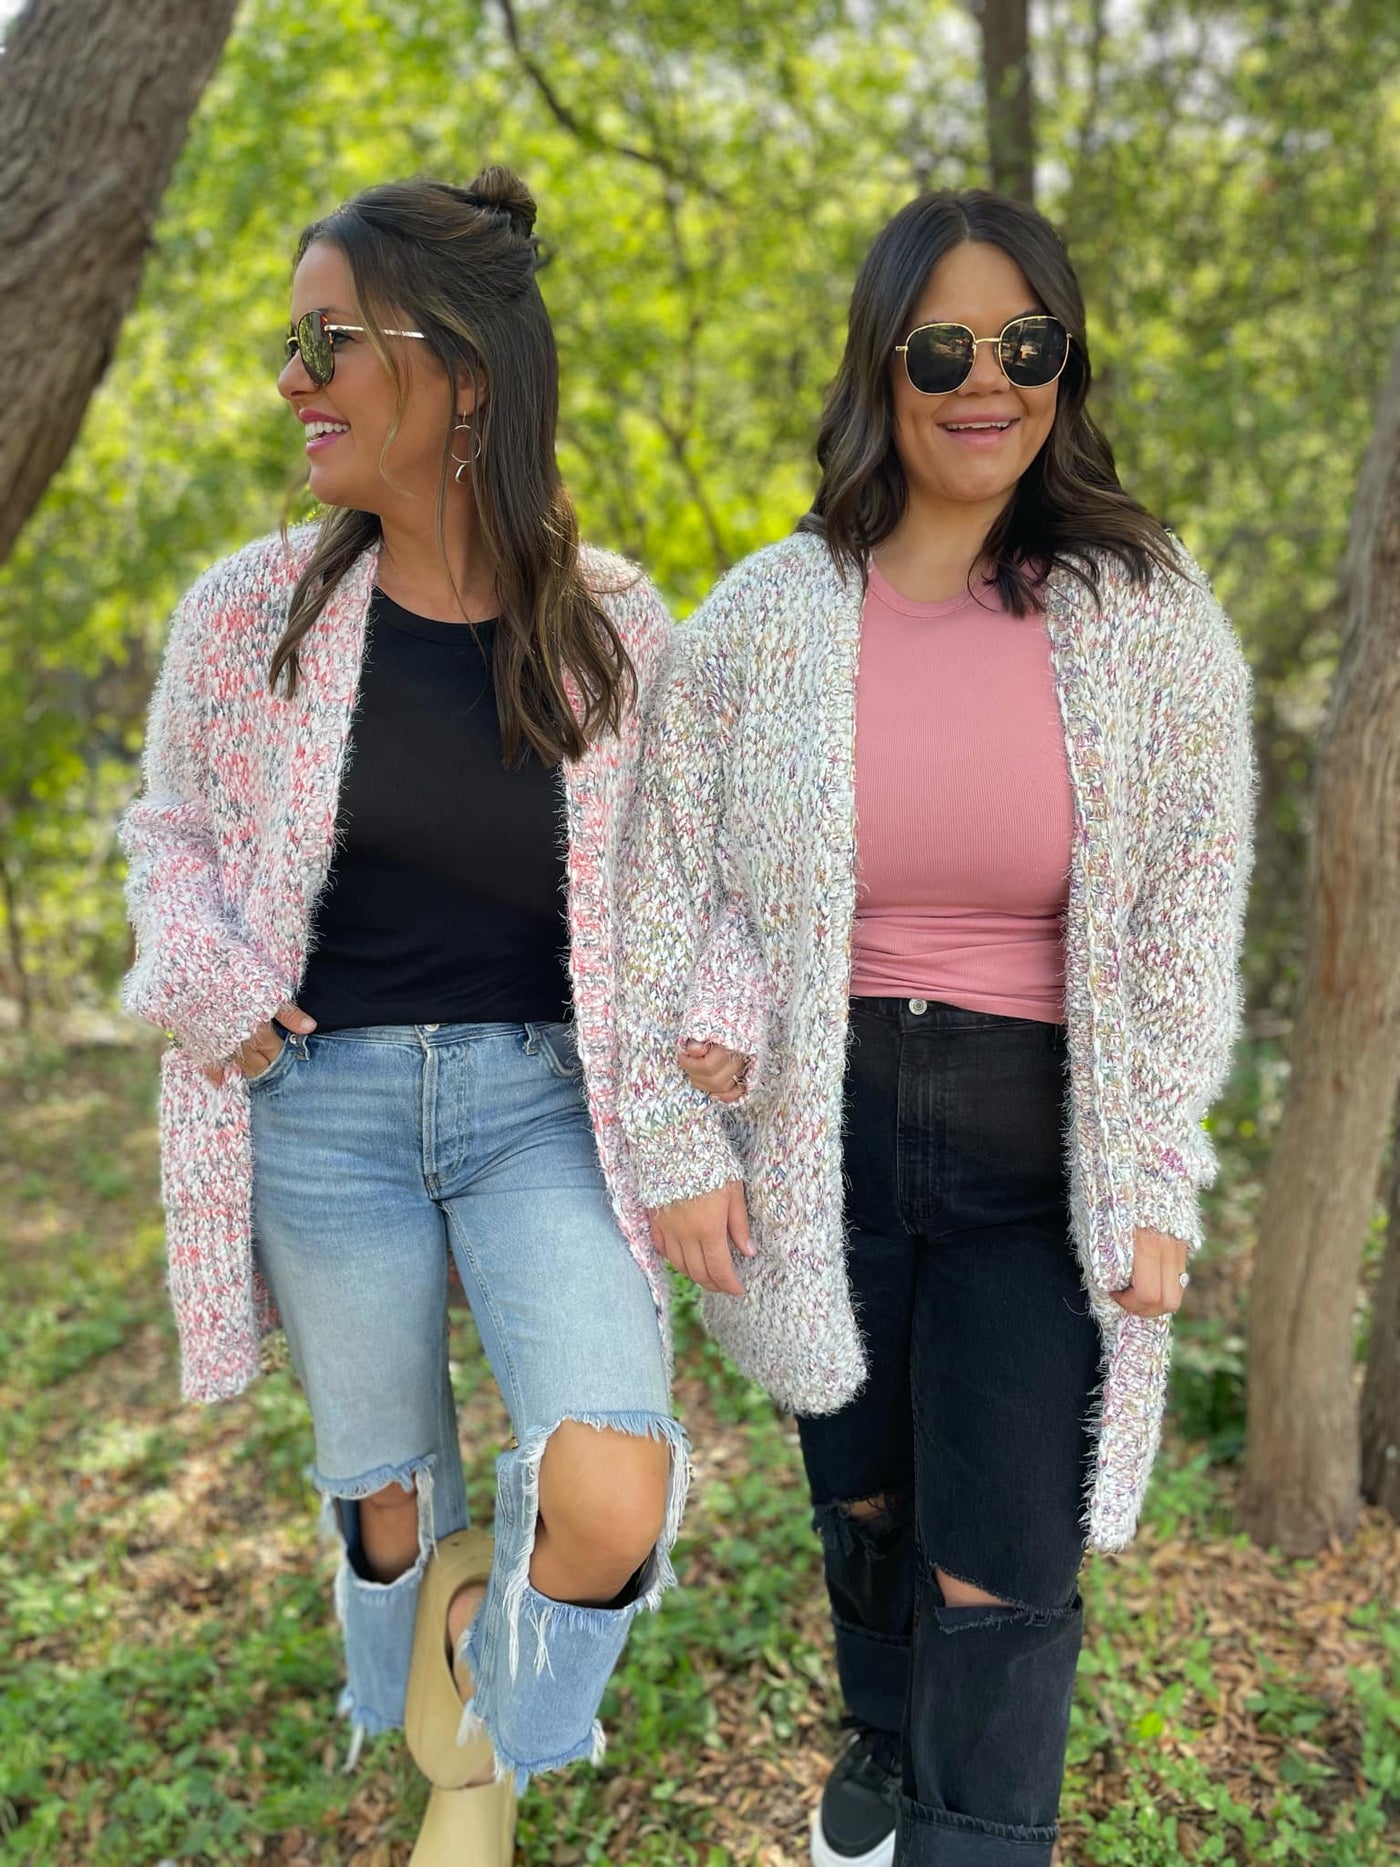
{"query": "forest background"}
pixel 1227 177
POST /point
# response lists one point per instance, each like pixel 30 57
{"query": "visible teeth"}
pixel 315 429
pixel 975 427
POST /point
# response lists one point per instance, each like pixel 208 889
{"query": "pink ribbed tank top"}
pixel 964 808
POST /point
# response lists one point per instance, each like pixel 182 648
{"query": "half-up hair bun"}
pixel 501 191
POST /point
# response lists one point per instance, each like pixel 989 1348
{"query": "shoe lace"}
pixel 872 1757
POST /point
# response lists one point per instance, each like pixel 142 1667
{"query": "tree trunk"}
pixel 1380 1397
pixel 1006 83
pixel 1302 1476
pixel 95 100
pixel 14 939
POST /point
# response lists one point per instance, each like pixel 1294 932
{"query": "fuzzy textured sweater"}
pixel 738 904
pixel 229 847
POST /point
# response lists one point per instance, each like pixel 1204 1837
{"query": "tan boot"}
pixel 467 1828
pixel 436 1690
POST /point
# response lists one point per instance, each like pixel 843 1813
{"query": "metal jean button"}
pixel 432 1027
pixel 918 1006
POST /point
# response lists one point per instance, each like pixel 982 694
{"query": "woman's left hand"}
pixel 1159 1270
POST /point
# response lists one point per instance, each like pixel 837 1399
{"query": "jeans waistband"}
pixel 427 1036
pixel 922 1014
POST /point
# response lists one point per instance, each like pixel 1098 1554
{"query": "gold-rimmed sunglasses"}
pixel 313 339
pixel 938 358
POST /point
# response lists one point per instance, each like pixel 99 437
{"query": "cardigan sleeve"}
pixel 1186 925
pixel 193 974
pixel 690 966
pixel 726 1001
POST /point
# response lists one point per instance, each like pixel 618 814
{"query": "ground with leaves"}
pixel 169 1656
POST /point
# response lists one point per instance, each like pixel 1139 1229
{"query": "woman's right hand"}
pixel 262 1049
pixel 722 1074
pixel 696 1236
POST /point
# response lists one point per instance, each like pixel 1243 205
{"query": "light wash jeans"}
pixel 374 1153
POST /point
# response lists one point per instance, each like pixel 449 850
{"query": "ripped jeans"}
pixel 375 1152
pixel 969 1445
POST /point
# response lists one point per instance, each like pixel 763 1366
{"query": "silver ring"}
pixel 1184 1279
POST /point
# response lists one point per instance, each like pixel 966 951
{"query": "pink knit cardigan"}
pixel 229 846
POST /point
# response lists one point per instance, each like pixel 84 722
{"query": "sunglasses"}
pixel 313 338
pixel 939 358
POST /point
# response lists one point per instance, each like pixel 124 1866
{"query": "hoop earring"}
pixel 464 426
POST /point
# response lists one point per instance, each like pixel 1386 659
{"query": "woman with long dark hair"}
pixel 372 880
pixel 931 932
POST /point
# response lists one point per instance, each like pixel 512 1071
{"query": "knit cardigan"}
pixel 739 896
pixel 230 845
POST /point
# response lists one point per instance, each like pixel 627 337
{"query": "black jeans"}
pixel 971 1432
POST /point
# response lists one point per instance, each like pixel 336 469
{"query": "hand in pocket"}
pixel 263 1048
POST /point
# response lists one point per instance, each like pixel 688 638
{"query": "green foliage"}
pixel 709 177
pixel 170 1662
pixel 1208 1386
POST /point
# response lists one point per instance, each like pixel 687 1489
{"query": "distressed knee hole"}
pixel 875 1525
pixel 959 1594
pixel 385 1519
pixel 965 1605
pixel 872 1513
pixel 602 1500
pixel 393 1500
pixel 585 1530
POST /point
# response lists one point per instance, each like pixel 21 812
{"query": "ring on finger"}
pixel 1184 1279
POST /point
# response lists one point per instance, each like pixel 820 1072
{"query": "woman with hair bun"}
pixel 931 937
pixel 373 882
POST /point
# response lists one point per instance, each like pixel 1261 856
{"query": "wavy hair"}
pixel 1068 508
pixel 459 265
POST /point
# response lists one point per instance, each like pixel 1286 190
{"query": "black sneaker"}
pixel 854 1826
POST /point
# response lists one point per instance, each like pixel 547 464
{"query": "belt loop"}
pixel 532 1039
pixel 295 1041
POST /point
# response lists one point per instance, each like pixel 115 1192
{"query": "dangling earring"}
pixel 464 426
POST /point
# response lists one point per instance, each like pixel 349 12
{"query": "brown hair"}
pixel 1068 505
pixel 459 264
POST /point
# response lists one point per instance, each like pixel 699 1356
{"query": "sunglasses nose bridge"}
pixel 997 372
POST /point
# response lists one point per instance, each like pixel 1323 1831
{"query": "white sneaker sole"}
pixel 823 1855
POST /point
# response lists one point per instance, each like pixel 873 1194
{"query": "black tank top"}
pixel 445 901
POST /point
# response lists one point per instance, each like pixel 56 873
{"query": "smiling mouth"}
pixel 976 427
pixel 321 430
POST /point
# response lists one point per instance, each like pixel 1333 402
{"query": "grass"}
pixel 169 1658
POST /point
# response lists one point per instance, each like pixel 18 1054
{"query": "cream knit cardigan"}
pixel 230 844
pixel 738 905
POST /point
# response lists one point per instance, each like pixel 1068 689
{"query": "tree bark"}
pixel 14 939
pixel 1006 84
pixel 1302 1476
pixel 95 100
pixel 1380 1397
